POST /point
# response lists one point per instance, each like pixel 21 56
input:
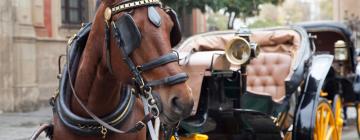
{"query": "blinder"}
pixel 125 27
pixel 129 33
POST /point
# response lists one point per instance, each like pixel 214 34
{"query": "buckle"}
pixel 71 39
pixel 139 125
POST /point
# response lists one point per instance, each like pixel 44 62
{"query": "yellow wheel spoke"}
pixel 329 133
pixel 325 123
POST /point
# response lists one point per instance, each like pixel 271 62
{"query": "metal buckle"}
pixel 71 39
pixel 139 68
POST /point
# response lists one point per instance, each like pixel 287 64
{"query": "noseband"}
pixel 128 38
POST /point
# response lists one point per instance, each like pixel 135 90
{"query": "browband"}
pixel 133 4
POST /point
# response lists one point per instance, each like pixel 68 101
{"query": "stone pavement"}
pixel 20 126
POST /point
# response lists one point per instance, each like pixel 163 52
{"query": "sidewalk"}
pixel 20 126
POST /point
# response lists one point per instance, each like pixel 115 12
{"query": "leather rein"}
pixel 142 88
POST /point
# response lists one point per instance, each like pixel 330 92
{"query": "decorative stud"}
pixel 107 14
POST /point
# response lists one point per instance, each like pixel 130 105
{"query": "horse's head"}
pixel 147 34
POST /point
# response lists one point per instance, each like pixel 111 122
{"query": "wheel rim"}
pixel 338 114
pixel 325 127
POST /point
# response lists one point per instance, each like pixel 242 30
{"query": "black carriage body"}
pixel 327 34
pixel 226 110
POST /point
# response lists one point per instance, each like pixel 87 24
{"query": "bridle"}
pixel 122 28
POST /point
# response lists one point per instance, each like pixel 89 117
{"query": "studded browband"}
pixel 128 5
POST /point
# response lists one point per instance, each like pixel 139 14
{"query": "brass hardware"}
pixel 103 132
pixel 53 98
pixel 238 51
pixel 107 14
pixel 71 39
pixel 323 94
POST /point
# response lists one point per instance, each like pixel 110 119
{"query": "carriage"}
pixel 342 82
pixel 258 84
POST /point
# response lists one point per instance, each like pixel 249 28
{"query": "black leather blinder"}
pixel 175 34
pixel 128 32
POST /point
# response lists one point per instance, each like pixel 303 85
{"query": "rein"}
pixel 142 88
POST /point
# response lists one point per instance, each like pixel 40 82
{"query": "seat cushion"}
pixel 266 74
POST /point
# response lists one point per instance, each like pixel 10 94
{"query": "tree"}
pixel 234 8
pixel 244 8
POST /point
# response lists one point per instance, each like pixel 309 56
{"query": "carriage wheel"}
pixel 325 125
pixel 338 110
pixel 358 118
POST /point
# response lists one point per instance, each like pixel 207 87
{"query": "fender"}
pixel 307 102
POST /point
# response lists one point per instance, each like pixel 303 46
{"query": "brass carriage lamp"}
pixel 340 53
pixel 240 51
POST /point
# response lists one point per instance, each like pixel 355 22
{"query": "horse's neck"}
pixel 95 86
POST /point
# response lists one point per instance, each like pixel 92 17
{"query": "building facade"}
pixel 348 11
pixel 33 33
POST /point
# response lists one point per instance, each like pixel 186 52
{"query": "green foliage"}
pixel 188 5
pixel 217 21
pixel 262 23
pixel 235 8
pixel 245 7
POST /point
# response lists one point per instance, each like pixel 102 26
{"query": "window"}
pixel 74 12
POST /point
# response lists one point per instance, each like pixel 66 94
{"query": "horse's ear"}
pixel 175 34
pixel 128 33
pixel 107 2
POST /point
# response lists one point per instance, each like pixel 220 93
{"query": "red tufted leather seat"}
pixel 268 72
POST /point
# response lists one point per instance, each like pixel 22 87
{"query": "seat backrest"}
pixel 268 72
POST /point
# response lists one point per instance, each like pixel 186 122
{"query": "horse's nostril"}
pixel 176 105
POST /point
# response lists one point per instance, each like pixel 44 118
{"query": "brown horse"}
pixel 103 74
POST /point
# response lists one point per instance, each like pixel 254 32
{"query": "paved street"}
pixel 20 126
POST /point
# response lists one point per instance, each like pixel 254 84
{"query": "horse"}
pixel 124 75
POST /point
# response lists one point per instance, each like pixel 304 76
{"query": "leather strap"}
pixel 167 58
pixel 168 81
pixel 107 46
pixel 137 76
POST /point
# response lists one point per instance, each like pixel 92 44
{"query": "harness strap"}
pixel 171 80
pixel 167 58
pixel 141 124
pixel 107 46
pixel 137 76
